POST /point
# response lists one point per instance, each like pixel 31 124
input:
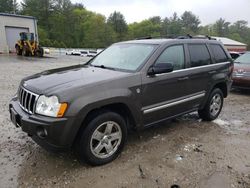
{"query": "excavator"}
pixel 28 46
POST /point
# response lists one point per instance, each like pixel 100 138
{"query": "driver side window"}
pixel 174 55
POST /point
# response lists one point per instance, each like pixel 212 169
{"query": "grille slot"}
pixel 27 100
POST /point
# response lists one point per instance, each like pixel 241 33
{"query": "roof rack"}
pixel 142 38
pixel 188 36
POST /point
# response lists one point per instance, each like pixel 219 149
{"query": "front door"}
pixel 162 94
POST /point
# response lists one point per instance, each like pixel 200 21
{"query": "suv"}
pixel 130 85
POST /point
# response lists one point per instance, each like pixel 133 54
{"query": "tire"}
pixel 25 52
pixel 40 52
pixel 213 106
pixel 95 141
pixel 18 50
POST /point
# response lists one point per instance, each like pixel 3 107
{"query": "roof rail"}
pixel 203 37
pixel 188 36
pixel 142 38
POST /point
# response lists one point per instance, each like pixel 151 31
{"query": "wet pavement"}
pixel 185 152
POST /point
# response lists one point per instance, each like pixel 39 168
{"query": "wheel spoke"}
pixel 216 106
pixel 115 136
pixel 98 135
pixel 218 100
pixel 106 139
pixel 108 129
pixel 98 148
pixel 109 148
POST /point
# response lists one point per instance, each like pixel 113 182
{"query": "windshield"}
pixel 127 57
pixel 245 58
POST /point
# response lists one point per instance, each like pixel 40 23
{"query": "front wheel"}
pixel 25 52
pixel 213 106
pixel 18 50
pixel 103 139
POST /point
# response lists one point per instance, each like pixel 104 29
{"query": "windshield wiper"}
pixel 103 67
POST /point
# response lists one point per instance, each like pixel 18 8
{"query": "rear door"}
pixel 199 72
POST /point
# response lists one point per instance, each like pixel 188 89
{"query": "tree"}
pixel 41 9
pixel 221 27
pixel 175 25
pixel 8 6
pixel 64 24
pixel 117 21
pixel 155 20
pixel 190 22
pixel 97 33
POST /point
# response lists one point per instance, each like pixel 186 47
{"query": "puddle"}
pixel 233 125
pixel 178 158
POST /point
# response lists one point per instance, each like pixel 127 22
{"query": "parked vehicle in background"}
pixel 46 50
pixel 84 53
pixel 73 52
pixel 92 53
pixel 241 73
pixel 28 46
pixel 235 55
pixel 130 85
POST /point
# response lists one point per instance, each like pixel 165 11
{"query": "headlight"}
pixel 50 106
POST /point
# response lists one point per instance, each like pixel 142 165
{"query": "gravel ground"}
pixel 186 152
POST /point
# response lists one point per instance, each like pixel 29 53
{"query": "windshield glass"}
pixel 245 58
pixel 124 56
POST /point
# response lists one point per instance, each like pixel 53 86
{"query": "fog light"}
pixel 41 132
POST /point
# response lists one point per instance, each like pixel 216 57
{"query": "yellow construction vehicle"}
pixel 28 46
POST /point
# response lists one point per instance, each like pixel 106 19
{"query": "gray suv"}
pixel 130 85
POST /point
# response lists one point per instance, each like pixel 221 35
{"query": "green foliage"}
pixel 117 21
pixel 144 28
pixel 62 23
pixel 190 22
pixel 8 6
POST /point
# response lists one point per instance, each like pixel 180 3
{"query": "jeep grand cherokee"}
pixel 130 85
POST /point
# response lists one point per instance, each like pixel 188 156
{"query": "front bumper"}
pixel 50 133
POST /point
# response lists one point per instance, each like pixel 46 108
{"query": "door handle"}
pixel 183 78
pixel 212 72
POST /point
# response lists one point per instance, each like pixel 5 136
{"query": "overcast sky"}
pixel 207 10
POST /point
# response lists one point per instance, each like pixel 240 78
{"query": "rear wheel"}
pixel 40 52
pixel 103 139
pixel 213 106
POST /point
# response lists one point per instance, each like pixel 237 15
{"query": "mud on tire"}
pixel 213 106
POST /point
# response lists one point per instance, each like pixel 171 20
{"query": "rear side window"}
pixel 218 52
pixel 174 55
pixel 199 55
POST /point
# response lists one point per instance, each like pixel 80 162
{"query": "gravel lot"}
pixel 187 151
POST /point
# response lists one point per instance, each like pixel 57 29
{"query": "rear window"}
pixel 218 52
pixel 245 59
pixel 199 55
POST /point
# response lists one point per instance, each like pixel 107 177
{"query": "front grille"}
pixel 27 100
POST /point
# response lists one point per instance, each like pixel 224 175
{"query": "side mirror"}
pixel 160 68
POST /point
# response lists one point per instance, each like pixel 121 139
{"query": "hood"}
pixel 61 78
